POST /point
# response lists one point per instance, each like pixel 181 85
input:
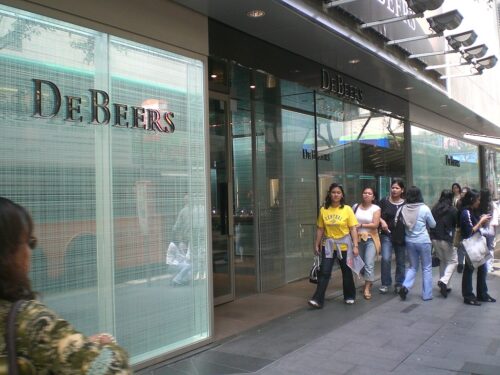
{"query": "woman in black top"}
pixel 442 238
pixel 389 207
pixel 470 223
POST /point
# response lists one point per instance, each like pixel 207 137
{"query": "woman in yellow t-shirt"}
pixel 336 224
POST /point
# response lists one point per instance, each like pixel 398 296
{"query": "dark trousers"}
pixel 467 289
pixel 325 272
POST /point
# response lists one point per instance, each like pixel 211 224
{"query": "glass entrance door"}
pixel 221 200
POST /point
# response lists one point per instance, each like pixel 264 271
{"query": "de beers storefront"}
pixel 103 141
pixel 135 134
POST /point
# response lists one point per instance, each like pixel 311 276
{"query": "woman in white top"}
pixel 368 215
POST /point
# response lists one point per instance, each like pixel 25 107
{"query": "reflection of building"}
pixel 274 138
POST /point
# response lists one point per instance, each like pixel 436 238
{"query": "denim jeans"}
pixel 461 255
pixel 367 252
pixel 385 270
pixel 467 289
pixel 419 253
pixel 325 272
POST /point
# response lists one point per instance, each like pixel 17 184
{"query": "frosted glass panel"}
pixel 112 187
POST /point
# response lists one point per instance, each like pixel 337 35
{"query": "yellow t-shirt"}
pixel 336 221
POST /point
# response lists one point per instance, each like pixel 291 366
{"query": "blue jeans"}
pixel 367 252
pixel 325 272
pixel 419 253
pixel 467 288
pixel 385 269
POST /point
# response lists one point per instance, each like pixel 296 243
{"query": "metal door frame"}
pixel 229 170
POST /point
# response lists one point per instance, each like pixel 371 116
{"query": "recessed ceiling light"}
pixel 409 88
pixel 256 13
pixel 213 76
pixel 354 61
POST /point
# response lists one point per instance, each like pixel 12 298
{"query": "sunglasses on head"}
pixel 32 242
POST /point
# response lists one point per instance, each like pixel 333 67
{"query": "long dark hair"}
pixel 469 198
pixel 485 204
pixel 15 225
pixel 414 195
pixel 457 185
pixel 444 203
pixel 328 198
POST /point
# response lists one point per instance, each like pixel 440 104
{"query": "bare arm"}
pixel 319 237
pixel 354 236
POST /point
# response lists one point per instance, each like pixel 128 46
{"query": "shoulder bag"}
pixel 398 230
pixel 11 338
pixel 476 250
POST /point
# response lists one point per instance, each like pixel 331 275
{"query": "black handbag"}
pixel 314 272
pixel 398 229
pixel 436 262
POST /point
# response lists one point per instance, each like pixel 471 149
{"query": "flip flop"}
pixel 488 299
pixel 472 302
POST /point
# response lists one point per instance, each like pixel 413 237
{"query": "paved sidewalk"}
pixel 382 336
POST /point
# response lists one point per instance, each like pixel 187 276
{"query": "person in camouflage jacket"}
pixel 45 343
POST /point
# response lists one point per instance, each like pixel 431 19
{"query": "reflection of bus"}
pixel 60 179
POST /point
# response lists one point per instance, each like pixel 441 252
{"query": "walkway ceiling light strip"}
pixel 318 17
pixel 483 138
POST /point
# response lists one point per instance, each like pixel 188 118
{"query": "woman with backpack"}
pixel 389 206
pixel 417 217
pixel 445 215
pixel 368 215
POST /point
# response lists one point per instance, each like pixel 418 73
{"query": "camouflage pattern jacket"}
pixel 47 344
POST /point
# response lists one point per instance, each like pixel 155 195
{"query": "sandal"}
pixel 472 302
pixel 488 299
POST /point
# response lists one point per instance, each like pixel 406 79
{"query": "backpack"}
pixel 398 229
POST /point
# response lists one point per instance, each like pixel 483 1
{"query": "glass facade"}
pixel 439 161
pixel 357 148
pixel 278 175
pixel 103 141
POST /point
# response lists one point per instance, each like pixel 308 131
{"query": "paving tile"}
pixel 480 368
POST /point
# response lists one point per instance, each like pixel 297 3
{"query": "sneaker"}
pixel 383 289
pixel 403 292
pixel 349 301
pixel 314 304
pixel 443 289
